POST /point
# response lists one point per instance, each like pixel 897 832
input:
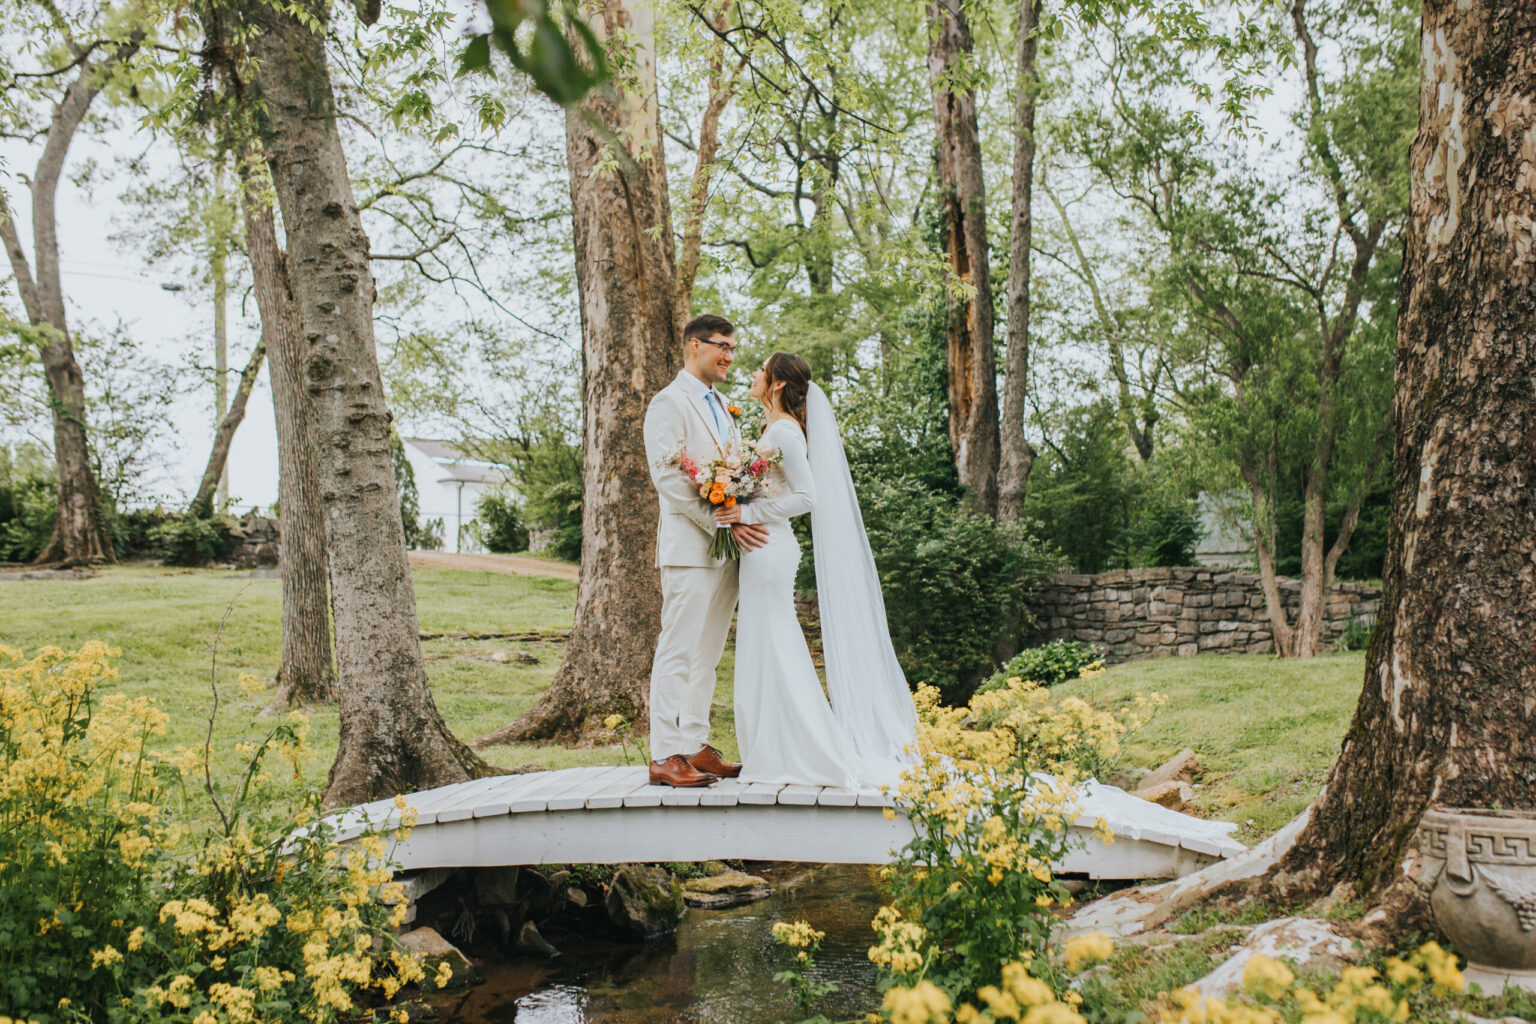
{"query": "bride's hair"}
pixel 795 373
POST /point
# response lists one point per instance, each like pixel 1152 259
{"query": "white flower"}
pixel 766 450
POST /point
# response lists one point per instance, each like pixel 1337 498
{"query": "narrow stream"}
pixel 717 969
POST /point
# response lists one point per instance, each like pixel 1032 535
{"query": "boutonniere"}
pixel 733 409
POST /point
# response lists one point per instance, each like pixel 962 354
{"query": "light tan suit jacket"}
pixel 678 415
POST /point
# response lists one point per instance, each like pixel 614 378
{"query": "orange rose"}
pixel 734 410
pixel 716 495
pixel 730 502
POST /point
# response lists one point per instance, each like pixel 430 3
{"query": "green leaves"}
pixel 548 40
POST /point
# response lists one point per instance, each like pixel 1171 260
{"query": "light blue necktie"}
pixel 713 401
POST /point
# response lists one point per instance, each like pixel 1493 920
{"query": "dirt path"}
pixel 517 565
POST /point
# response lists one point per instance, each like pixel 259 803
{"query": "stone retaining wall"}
pixel 1149 613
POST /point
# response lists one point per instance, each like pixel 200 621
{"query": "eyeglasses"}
pixel 723 346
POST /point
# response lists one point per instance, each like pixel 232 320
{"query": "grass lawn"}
pixel 1267 730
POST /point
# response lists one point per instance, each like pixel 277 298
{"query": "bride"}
pixel 788 732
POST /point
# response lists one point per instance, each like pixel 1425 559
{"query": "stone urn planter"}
pixel 1481 877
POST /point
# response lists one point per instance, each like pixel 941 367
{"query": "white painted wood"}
pixel 690 796
pixel 498 800
pixel 576 797
pixel 760 793
pixel 613 791
pixel 646 795
pixel 836 796
pixel 610 814
pixel 554 784
pixel 725 793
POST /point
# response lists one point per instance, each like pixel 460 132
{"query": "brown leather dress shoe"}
pixel 676 771
pixel 709 760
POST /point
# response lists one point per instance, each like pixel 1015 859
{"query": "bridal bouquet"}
pixel 733 477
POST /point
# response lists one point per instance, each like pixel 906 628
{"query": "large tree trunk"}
pixel 631 349
pixel 1448 712
pixel 305 675
pixel 973 423
pixel 216 472
pixel 80 531
pixel 1018 456
pixel 392 738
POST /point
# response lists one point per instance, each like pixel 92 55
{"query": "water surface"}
pixel 717 969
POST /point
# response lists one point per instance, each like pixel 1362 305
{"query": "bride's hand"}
pixel 728 515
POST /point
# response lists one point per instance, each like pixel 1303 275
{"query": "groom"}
pixel 698 593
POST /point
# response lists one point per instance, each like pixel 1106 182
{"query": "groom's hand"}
pixel 750 537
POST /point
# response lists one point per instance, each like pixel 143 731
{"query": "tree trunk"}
pixel 1018 456
pixel 721 89
pixel 305 675
pixel 1448 712
pixel 392 738
pixel 219 271
pixel 973 421
pixel 80 532
pixel 216 472
pixel 631 349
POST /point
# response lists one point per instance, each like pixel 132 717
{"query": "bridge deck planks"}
pixel 610 814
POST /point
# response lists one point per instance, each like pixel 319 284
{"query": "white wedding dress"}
pixel 787 730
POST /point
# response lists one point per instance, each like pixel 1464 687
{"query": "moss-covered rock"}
pixel 644 902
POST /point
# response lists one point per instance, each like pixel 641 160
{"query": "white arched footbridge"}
pixel 611 815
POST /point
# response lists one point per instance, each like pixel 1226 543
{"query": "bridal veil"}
pixel 867 686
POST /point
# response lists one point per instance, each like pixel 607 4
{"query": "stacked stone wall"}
pixel 1149 613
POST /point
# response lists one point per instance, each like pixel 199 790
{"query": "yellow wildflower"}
pixel 1082 950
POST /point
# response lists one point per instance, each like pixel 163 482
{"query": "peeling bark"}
pixel 1448 712
pixel 392 739
pixel 631 349
pixel 973 417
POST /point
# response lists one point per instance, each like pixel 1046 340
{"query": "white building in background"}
pixel 448 483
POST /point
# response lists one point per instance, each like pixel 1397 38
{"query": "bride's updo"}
pixel 795 374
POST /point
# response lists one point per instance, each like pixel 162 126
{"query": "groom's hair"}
pixel 707 326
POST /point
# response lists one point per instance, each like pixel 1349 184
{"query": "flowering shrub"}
pixel 105 918
pixel 1362 995
pixel 1400 994
pixel 973 890
pixel 1050 663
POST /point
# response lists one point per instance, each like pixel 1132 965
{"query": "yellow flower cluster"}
pixel 902 943
pixel 1018 997
pixel 1361 993
pixel 1083 950
pixel 612 722
pixel 923 1003
pixel 798 935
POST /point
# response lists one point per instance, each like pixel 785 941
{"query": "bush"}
pixel 973 890
pixel 548 475
pixel 185 539
pixel 28 504
pixel 955 582
pixel 501 526
pixel 1048 664
pixel 104 915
